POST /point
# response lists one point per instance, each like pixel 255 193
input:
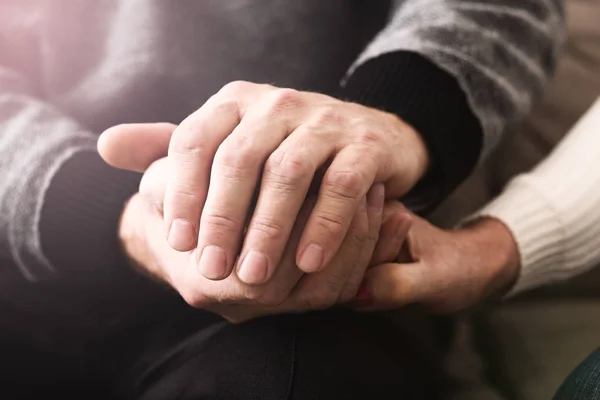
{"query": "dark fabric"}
pixel 167 350
pixel 584 381
pixel 82 207
pixel 329 355
pixel 430 100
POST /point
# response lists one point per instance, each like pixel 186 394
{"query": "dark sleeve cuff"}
pixel 81 212
pixel 431 101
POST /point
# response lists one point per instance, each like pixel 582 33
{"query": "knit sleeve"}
pixel 499 54
pixel 59 203
pixel 553 212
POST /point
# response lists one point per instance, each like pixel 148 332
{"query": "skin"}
pixel 242 165
pixel 289 291
pixel 445 270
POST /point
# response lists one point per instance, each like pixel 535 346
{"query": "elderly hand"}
pixel 447 271
pixel 251 138
pixel 143 239
pixel 142 236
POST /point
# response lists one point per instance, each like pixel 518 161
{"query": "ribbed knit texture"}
pixel 70 69
pixel 431 101
pixel 553 212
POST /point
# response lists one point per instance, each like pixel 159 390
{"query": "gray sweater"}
pixel 459 71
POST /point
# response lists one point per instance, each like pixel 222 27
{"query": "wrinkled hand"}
pixel 250 137
pixel 447 271
pixel 142 235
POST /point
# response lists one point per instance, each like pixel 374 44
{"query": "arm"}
pixel 459 72
pixel 59 203
pixel 553 212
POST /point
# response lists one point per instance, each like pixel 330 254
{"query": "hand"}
pixel 446 271
pixel 141 234
pixel 143 239
pixel 250 138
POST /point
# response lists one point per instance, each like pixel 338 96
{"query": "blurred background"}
pixel 524 348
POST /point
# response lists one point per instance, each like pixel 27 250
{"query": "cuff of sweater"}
pixel 537 229
pixel 81 212
pixel 431 101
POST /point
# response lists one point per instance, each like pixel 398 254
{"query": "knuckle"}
pixel 327 115
pixel 183 192
pixel 283 99
pixel 344 185
pixel 268 227
pixel 359 232
pixel 235 88
pixel 287 170
pixel 359 237
pixel 332 224
pixel 213 219
pixel 236 154
pixel 367 136
pixel 226 106
pixel 184 143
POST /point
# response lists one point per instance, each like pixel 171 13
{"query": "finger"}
pixel 286 276
pixel 322 289
pixel 232 291
pixel 375 201
pixel 167 264
pixel 392 236
pixel 235 173
pixel 391 286
pixel 346 182
pixel 154 183
pixel 135 146
pixel 285 183
pixel 191 152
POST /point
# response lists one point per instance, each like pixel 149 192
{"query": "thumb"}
pixel 135 146
pixel 390 286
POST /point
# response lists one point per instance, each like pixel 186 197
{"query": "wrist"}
pixel 419 154
pixel 431 101
pixel 497 254
pixel 411 159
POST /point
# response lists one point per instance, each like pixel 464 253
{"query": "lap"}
pixel 321 355
pixel 165 349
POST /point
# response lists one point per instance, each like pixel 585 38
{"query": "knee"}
pixel 583 382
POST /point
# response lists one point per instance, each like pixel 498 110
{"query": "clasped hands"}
pixel 269 200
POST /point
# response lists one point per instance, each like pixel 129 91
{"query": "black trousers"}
pixel 139 341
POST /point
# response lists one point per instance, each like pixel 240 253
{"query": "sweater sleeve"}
pixel 553 212
pixel 460 72
pixel 59 203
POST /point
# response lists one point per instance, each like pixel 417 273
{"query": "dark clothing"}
pixel 167 350
pixel 584 381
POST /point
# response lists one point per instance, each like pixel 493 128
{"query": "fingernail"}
pixel 254 268
pixel 376 196
pixel 312 258
pixel 363 298
pixel 182 235
pixel 213 262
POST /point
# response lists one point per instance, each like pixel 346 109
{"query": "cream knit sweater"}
pixel 553 211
